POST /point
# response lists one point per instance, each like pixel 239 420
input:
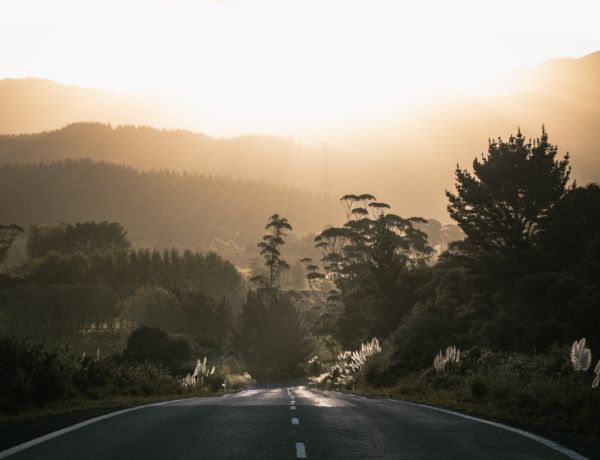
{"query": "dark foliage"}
pixel 377 261
pixel 88 237
pixel 505 204
pixel 269 334
pixel 527 276
pixel 33 376
pixel 186 209
pixel 123 271
pixel 154 345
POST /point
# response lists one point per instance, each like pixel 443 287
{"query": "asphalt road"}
pixel 287 423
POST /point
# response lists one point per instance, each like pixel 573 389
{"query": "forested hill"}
pixel 408 161
pixel 276 159
pixel 155 206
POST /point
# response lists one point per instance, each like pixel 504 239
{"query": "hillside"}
pixel 408 163
pixel 34 104
pixel 157 208
pixel 271 158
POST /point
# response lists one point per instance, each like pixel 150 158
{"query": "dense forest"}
pixel 160 206
pixel 378 304
pixel 187 211
pixel 489 326
pixel 86 277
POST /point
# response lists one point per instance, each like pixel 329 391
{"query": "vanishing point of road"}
pixel 287 423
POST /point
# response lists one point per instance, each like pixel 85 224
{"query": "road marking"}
pixel 55 434
pixel 224 396
pixel 546 442
pixel 292 407
pixel 295 421
pixel 300 450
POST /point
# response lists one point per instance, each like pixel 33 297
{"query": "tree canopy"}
pixel 503 205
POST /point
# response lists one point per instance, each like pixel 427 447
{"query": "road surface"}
pixel 287 423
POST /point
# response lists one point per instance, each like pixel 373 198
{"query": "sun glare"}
pixel 285 66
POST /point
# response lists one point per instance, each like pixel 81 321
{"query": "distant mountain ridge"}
pixel 33 104
pixel 251 157
pixel 409 165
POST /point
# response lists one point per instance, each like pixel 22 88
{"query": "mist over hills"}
pixel 408 162
pixel 278 160
pixel 159 207
pixel 34 104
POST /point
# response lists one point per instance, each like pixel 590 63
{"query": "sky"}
pixel 281 66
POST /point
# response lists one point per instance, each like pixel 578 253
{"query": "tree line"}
pixel 188 210
pixel 524 279
pixel 85 277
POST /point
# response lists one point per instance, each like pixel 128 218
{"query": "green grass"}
pixel 543 404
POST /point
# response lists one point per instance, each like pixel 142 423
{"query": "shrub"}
pixel 31 375
pixel 478 388
pixel 154 345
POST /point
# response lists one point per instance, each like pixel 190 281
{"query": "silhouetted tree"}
pixel 504 204
pixel 270 249
pixel 270 335
pixel 573 222
pixel 367 259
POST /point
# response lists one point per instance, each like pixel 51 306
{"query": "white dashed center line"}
pixel 292 407
pixel 300 450
pixel 295 421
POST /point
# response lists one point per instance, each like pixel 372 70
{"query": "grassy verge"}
pixel 573 422
pixel 80 404
pixel 31 423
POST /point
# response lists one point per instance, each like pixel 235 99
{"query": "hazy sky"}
pixel 273 65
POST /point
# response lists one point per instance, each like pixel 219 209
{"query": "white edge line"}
pixel 546 442
pixel 55 434
pixel 300 450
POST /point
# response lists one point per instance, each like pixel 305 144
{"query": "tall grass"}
pixel 349 365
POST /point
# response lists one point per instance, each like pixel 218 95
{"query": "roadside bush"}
pixel 478 387
pixel 31 375
pixel 154 345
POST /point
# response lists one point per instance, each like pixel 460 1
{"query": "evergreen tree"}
pixel 269 333
pixel 504 204
pixel 270 249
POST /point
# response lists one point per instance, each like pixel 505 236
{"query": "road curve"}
pixel 286 423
